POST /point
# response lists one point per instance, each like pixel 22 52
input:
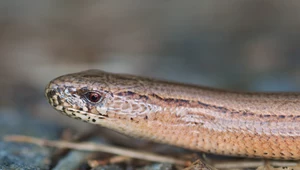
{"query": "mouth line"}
pixel 84 116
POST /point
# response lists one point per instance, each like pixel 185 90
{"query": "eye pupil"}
pixel 93 96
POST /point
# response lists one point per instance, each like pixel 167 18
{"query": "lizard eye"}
pixel 93 97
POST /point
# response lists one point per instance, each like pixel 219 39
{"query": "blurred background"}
pixel 240 45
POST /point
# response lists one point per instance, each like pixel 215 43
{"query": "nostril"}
pixel 50 93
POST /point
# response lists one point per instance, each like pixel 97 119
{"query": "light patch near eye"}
pixel 75 100
pixel 101 110
pixel 85 109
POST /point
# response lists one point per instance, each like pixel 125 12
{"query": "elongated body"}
pixel 265 125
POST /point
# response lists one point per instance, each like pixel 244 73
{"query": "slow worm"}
pixel 248 124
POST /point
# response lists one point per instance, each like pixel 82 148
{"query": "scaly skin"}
pixel 265 125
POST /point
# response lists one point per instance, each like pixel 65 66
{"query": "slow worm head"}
pixel 265 125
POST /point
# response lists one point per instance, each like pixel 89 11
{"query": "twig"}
pixel 87 146
pixel 113 160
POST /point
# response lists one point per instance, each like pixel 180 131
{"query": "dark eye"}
pixel 93 96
